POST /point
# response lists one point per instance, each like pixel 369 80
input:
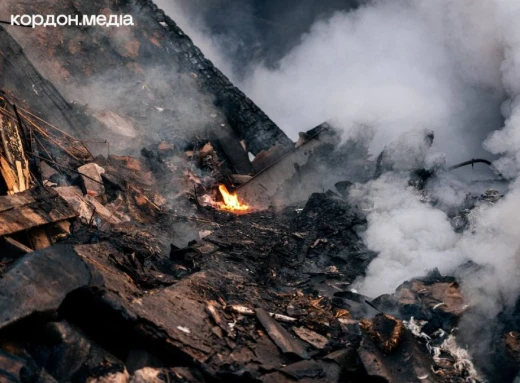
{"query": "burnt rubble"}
pixel 262 296
pixel 135 268
pixel 206 308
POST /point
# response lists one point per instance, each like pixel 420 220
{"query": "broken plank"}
pixel 287 343
pixel 9 176
pixel 407 363
pixel 236 154
pixel 25 198
pixel 27 217
pixel 14 152
pixel 21 179
pixel 39 238
pixel 20 247
pixel 311 337
pixel 211 309
pixel 24 211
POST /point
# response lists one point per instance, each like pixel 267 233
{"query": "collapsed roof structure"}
pixel 78 57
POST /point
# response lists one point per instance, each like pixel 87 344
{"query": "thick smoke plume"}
pixel 389 65
pixel 399 68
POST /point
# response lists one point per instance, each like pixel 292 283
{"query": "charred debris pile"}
pixel 192 263
pixel 97 284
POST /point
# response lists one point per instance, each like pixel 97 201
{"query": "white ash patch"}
pixel 462 360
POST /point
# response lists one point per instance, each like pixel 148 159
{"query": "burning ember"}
pixel 231 201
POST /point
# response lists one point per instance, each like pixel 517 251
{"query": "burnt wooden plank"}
pixel 39 238
pixel 285 341
pixel 33 208
pixel 407 363
pixel 175 316
pixel 17 246
pixel 25 198
pixel 16 200
pixel 236 155
pixel 9 176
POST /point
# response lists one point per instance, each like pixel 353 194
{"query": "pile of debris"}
pixel 94 288
pixel 193 262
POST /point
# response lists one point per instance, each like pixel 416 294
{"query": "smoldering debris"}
pixel 192 261
pixel 264 295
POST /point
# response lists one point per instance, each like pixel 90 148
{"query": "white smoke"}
pixel 409 235
pixel 397 66
pixel 489 47
pixel 408 66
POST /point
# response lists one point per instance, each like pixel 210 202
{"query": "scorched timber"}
pixel 24 81
pixel 69 56
pixel 32 208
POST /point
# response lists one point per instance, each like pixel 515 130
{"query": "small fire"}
pixel 231 201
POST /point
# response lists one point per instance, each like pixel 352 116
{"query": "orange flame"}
pixel 231 202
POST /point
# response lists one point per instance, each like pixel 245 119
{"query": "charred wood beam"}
pixel 244 116
pixel 32 208
pixel 39 282
pixel 14 165
pixel 17 246
pixel 30 146
pixel 236 155
pixel 21 77
pixel 287 343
